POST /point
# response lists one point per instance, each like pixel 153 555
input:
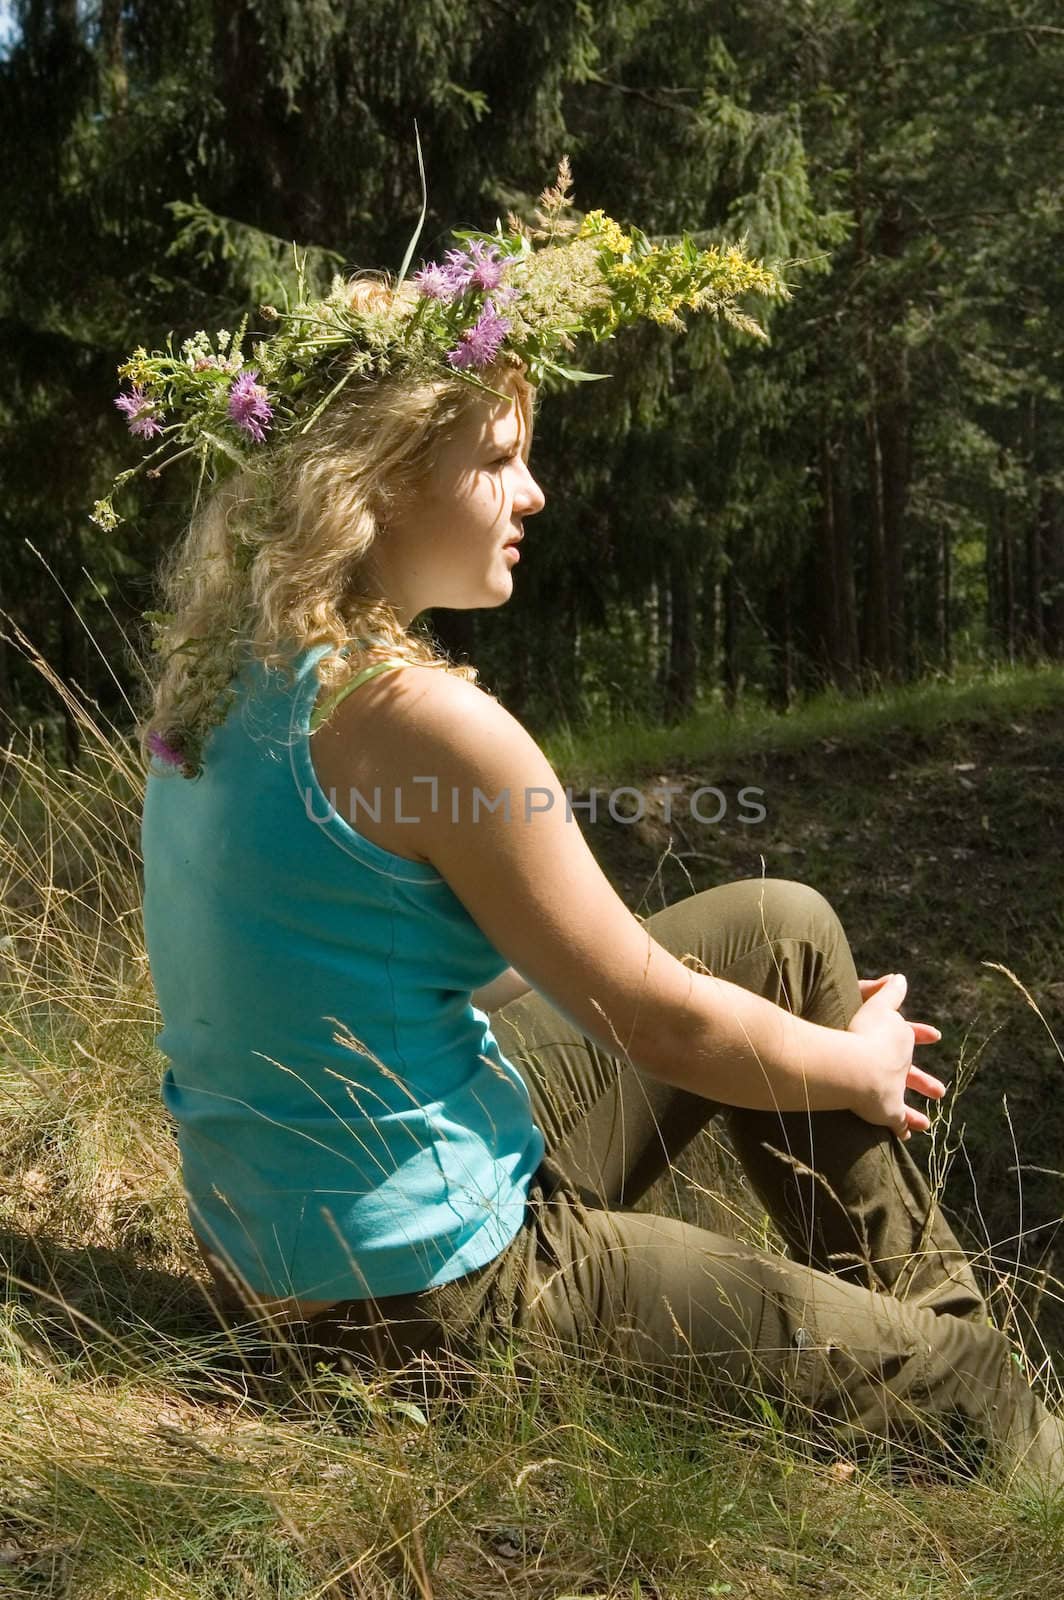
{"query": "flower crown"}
pixel 526 291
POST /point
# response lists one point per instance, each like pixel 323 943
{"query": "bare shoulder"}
pixel 461 733
pixel 415 738
pixel 421 714
pixel 420 685
pixel 483 806
pixel 431 704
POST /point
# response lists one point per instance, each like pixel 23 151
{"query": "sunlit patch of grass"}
pixel 544 1485
pixel 83 1132
pixel 618 753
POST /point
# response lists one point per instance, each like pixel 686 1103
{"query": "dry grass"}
pixel 146 1451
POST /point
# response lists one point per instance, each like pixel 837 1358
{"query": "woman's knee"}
pixel 786 908
pixel 734 928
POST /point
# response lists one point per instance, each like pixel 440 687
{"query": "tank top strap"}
pixel 322 712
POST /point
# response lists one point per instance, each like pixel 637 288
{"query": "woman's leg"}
pixel 914 1360
pixel 675 1312
pixel 846 1196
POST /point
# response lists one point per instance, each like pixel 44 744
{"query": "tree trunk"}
pixel 849 648
pixel 113 55
pixel 877 602
pixel 681 683
pixel 1051 532
pixel 730 626
pixel 943 597
pixel 1008 590
pixel 992 573
pixel 1033 615
pixel 829 608
pixel 650 626
pixel 876 644
pixel 836 624
pixel 780 631
pixel 1034 635
pixel 709 606
pixel 664 631
pixel 893 429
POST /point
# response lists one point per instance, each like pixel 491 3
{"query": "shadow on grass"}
pixel 94 1312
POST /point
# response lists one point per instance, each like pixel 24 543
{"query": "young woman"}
pixel 423 1059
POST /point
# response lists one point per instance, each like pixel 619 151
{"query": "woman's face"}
pixel 448 546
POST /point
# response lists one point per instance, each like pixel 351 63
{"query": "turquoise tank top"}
pixel 348 1126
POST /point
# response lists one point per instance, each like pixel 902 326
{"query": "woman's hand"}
pixel 890 1067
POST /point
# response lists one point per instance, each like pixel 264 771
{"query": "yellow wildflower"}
pixel 606 232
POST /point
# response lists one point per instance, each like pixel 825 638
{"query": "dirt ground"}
pixel 943 856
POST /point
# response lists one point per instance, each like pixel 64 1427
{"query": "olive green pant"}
pixel 874 1323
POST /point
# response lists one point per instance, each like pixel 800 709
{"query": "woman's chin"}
pixel 499 591
pixel 494 592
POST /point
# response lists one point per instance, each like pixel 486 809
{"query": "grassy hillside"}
pixel 145 1453
pixel 933 820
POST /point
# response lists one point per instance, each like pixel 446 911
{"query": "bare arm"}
pixel 526 875
pixel 509 985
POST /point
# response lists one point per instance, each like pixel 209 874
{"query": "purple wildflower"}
pixel 164 750
pixel 479 344
pixel 487 267
pixel 139 409
pixel 458 271
pixel 249 405
pixel 434 282
pixel 478 267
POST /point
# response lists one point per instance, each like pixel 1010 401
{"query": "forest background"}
pixel 872 503
pixel 874 497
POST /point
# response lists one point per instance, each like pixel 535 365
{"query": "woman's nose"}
pixel 531 497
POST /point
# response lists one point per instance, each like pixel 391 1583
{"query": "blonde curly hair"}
pixel 274 559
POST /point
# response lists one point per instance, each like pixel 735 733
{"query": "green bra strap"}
pixel 322 712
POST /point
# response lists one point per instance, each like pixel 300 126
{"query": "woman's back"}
pixel 280 942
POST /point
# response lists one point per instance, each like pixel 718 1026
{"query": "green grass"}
pixel 613 754
pixel 145 1452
